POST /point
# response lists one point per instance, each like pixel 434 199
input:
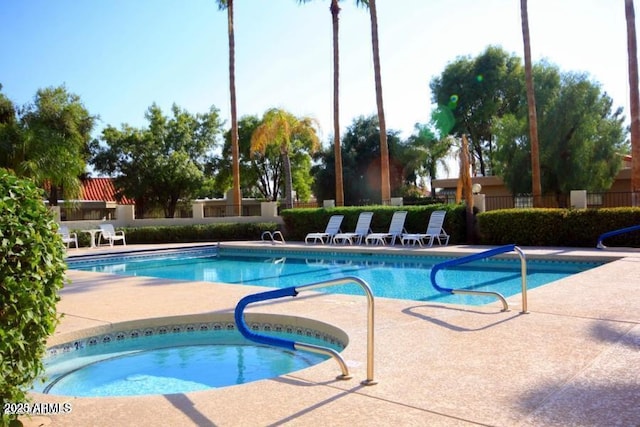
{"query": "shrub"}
pixel 198 233
pixel 32 269
pixel 558 227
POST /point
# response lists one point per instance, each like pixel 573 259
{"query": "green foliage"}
pixel 477 91
pixel 293 137
pixel 580 137
pixel 256 173
pixel 47 141
pixel 162 164
pixel 32 268
pixel 198 233
pixel 361 164
pixel 426 151
pixel 300 222
pixel 558 227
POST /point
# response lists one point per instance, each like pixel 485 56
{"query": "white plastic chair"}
pixel 396 228
pixel 333 228
pixel 434 232
pixel 363 227
pixel 108 234
pixel 68 237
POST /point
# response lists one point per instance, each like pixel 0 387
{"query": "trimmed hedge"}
pixel 32 272
pixel 558 227
pixel 300 222
pixel 197 233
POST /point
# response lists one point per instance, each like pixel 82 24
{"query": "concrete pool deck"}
pixel 573 360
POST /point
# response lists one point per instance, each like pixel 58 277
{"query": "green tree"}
pixel 261 175
pixel 32 269
pixel 291 135
pixel 581 137
pixel 478 91
pixel 428 151
pixel 337 151
pixel 235 150
pixel 47 141
pixel 361 155
pixel 160 165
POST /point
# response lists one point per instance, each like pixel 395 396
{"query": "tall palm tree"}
pixel 283 129
pixel 335 11
pixel 531 103
pixel 385 183
pixel 235 149
pixel 632 51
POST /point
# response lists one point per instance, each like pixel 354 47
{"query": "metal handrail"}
pixel 294 345
pixel 606 235
pixel 483 255
pixel 272 236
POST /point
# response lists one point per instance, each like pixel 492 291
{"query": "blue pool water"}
pixel 173 363
pixel 390 276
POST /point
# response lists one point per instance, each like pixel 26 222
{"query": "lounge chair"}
pixel 363 227
pixel 396 228
pixel 434 232
pixel 333 228
pixel 68 237
pixel 108 234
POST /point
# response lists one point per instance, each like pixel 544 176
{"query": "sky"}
pixel 121 56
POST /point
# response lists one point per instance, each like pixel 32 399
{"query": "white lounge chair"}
pixel 396 228
pixel 434 232
pixel 68 237
pixel 333 228
pixel 108 234
pixel 363 227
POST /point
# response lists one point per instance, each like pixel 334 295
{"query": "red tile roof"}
pixel 101 189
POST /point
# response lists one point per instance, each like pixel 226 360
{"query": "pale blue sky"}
pixel 120 56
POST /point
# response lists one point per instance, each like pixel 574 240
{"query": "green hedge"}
pixel 558 227
pixel 197 233
pixel 32 272
pixel 300 222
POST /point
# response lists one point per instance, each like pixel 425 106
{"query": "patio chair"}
pixel 363 227
pixel 68 237
pixel 333 228
pixel 434 232
pixel 108 234
pixel 396 228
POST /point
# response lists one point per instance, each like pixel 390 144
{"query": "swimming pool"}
pixel 179 358
pixel 389 275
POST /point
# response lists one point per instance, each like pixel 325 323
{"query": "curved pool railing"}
pixel 275 237
pixel 608 234
pixel 479 256
pixel 294 345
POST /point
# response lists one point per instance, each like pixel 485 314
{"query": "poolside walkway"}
pixel 573 360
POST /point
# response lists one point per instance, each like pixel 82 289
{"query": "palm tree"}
pixel 385 183
pixel 235 150
pixel 428 151
pixel 288 132
pixel 632 51
pixel 335 11
pixel 531 103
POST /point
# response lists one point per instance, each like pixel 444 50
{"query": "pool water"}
pixel 390 276
pixel 173 363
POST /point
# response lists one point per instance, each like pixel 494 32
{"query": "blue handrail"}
pixel 294 345
pixel 608 234
pixel 478 256
pixel 248 333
